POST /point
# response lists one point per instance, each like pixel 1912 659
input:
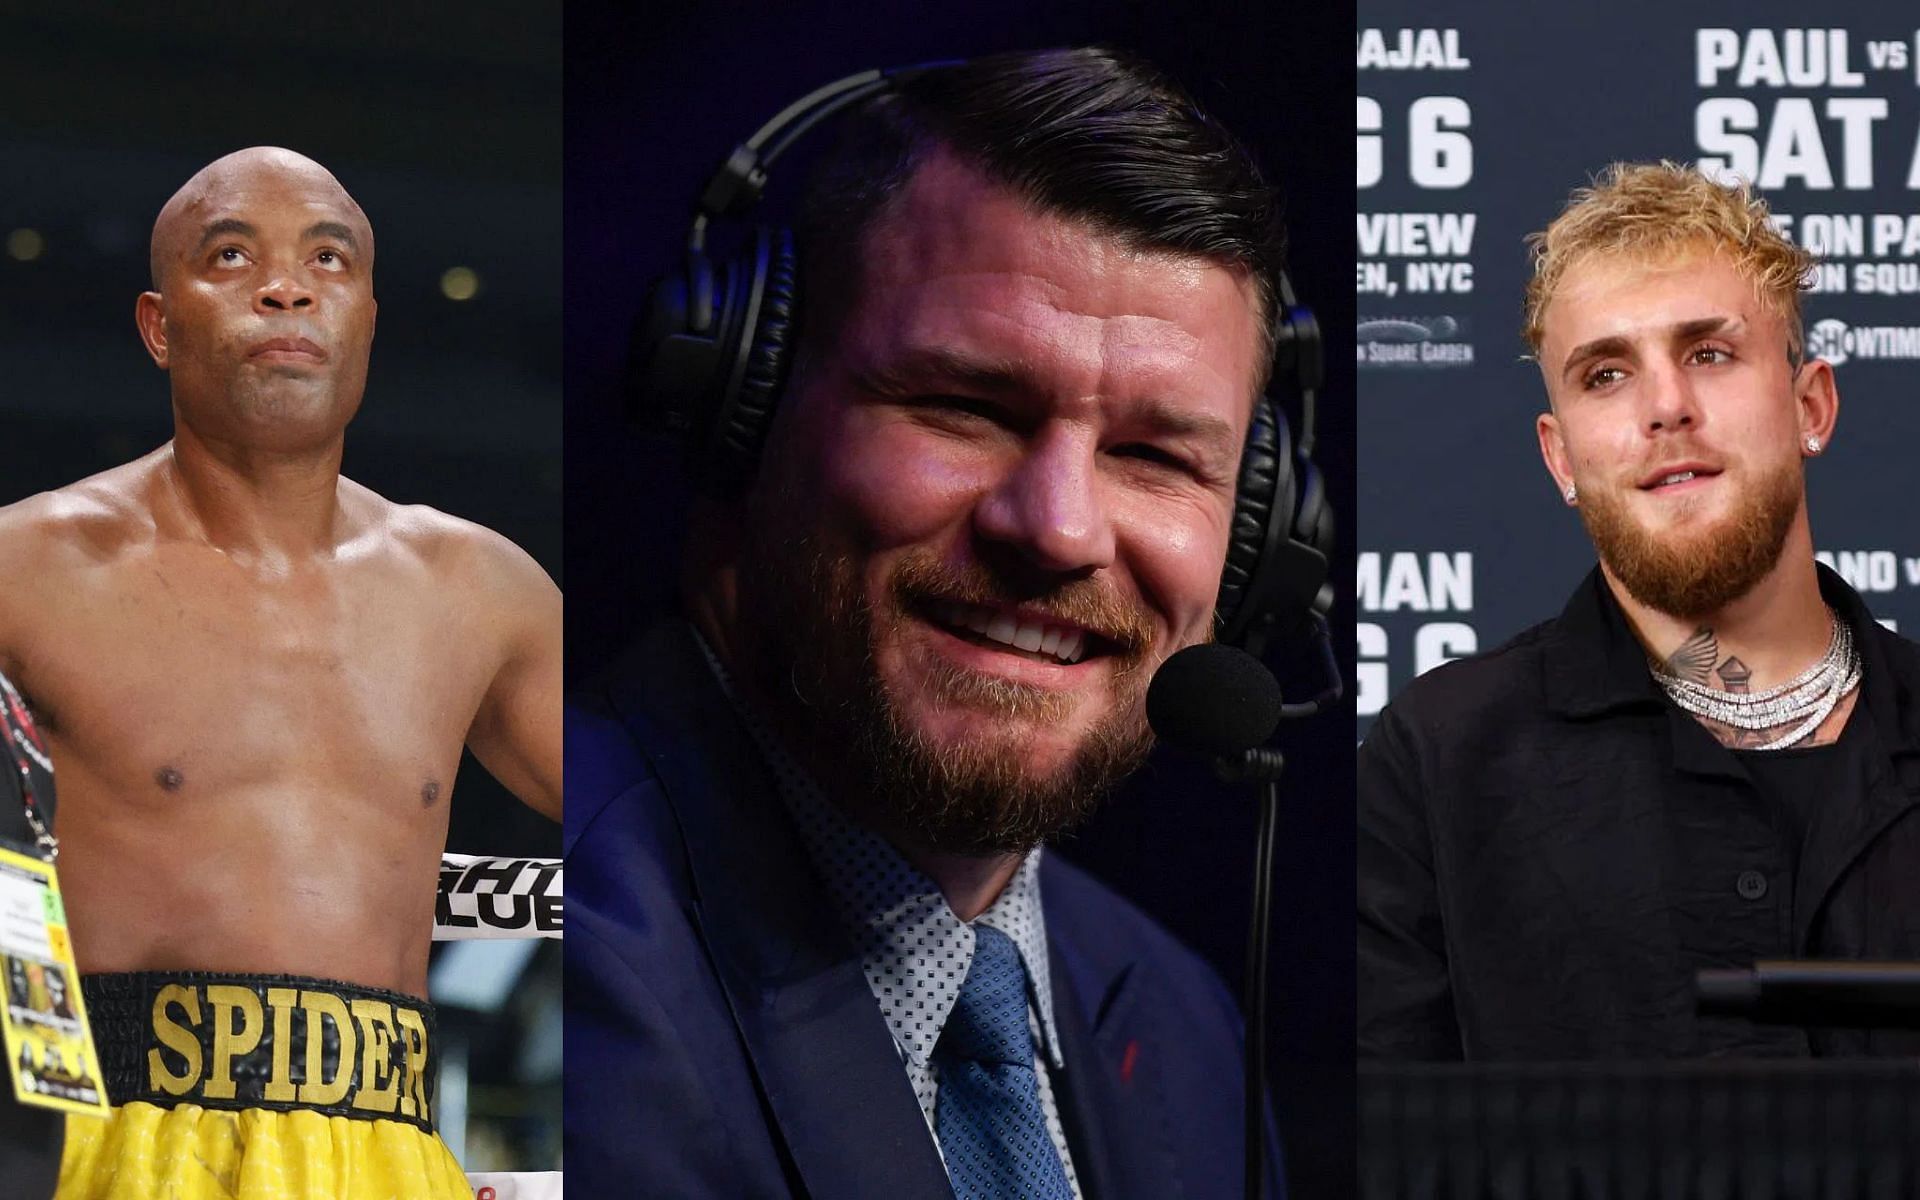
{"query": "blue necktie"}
pixel 992 1130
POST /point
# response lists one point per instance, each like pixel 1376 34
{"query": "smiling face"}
pixel 994 504
pixel 1682 423
pixel 263 312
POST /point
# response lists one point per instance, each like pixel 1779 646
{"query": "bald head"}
pixel 186 220
pixel 262 309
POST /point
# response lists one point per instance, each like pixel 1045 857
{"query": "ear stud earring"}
pixel 1573 494
pixel 1813 445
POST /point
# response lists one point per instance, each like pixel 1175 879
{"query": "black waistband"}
pixel 278 1042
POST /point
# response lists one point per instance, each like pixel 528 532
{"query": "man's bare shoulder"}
pixel 89 521
pixel 454 550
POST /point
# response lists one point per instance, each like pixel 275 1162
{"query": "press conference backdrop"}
pixel 443 120
pixel 1470 134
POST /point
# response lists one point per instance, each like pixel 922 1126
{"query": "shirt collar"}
pixel 1593 661
pixel 1595 664
pixel 898 918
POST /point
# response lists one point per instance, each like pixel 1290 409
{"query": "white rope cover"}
pixel 497 897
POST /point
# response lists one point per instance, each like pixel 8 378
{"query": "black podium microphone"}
pixel 1871 995
pixel 1222 703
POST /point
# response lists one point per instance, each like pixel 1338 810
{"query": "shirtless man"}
pixel 256 677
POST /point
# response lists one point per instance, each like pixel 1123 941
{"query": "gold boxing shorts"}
pixel 258 1087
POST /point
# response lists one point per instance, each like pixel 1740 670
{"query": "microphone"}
pixel 1784 992
pixel 1222 703
pixel 1213 700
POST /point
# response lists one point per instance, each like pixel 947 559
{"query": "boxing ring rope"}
pixel 490 898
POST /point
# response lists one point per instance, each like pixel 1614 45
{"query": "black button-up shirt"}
pixel 1550 849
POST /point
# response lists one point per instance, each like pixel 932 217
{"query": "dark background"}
pixel 653 101
pixel 443 121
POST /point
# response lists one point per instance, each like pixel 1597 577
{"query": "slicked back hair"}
pixel 1090 133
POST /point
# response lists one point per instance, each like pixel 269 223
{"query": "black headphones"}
pixel 710 355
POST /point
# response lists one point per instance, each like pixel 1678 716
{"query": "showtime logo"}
pixel 1836 341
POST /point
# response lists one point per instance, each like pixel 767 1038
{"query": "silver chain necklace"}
pixel 1807 698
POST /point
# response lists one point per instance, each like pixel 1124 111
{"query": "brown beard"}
pixel 1692 575
pixel 812 637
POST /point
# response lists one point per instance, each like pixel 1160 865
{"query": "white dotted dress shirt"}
pixel 914 950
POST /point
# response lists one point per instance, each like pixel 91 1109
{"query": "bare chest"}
pixel 177 664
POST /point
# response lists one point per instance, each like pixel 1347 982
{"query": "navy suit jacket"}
pixel 721 1037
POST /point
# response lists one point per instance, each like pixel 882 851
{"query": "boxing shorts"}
pixel 258 1087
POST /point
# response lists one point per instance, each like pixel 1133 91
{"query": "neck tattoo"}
pixel 1802 702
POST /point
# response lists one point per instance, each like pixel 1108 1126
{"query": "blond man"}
pixel 1711 756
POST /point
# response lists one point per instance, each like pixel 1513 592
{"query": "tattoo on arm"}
pixel 1695 658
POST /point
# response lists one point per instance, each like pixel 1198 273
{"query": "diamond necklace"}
pixel 1807 698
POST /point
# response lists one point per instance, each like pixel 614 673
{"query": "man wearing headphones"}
pixel 816 946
